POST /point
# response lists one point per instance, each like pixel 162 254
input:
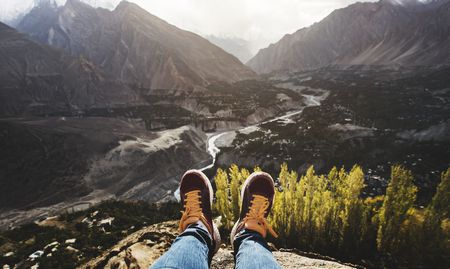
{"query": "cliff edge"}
pixel 142 248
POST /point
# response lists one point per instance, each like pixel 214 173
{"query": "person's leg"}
pixel 190 250
pixel 199 239
pixel 252 251
pixel 249 232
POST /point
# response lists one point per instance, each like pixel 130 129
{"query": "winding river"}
pixel 310 100
pixel 213 149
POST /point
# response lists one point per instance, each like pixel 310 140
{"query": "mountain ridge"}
pixel 378 33
pixel 135 46
pixel 38 79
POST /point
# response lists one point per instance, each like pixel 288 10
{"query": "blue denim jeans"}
pixel 192 248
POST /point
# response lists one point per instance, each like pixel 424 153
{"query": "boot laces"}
pixel 257 212
pixel 192 207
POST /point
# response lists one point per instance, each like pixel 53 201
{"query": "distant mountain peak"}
pixel 76 3
pixel 126 5
pixel 78 6
pixel 46 3
pixel 403 2
pixel 406 3
pixel 238 47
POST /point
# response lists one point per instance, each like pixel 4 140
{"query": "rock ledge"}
pixel 142 248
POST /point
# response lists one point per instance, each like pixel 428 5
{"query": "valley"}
pixel 102 110
pixel 73 135
pixel 114 153
pixel 374 117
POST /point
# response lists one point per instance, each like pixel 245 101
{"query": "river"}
pixel 211 145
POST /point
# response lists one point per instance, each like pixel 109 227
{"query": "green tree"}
pixel 436 239
pixel 283 217
pixel 326 214
pixel 235 183
pixel 307 218
pixel 398 202
pixel 223 205
pixel 352 212
pixel 369 225
pixel 440 205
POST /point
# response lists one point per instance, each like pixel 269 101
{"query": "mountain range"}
pixel 84 92
pixel 132 45
pixel 99 104
pixel 128 73
pixel 38 79
pixel 394 33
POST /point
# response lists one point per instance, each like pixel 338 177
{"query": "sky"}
pixel 259 21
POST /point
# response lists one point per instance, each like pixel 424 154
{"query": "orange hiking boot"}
pixel 196 195
pixel 257 198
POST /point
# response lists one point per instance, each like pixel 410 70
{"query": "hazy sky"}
pixel 259 20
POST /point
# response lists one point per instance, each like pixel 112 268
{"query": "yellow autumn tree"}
pixel 222 204
pixel 283 216
pixel 235 182
pixel 327 214
pixel 397 205
pixel 352 208
pixel 436 226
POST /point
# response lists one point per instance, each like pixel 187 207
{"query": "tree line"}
pixel 327 214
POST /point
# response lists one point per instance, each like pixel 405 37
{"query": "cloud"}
pixel 262 21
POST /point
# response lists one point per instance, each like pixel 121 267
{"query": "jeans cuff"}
pixel 202 235
pixel 246 234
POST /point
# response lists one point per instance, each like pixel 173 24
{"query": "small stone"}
pixel 272 246
pixel 72 249
pixel 9 254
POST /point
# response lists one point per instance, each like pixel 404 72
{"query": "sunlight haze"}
pixel 261 22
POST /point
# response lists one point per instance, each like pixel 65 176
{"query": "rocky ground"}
pixel 142 248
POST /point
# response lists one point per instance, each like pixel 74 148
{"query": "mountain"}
pixel 37 79
pixel 235 46
pixel 134 46
pixel 404 33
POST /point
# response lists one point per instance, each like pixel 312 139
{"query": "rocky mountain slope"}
pixel 405 33
pixel 54 164
pixel 134 46
pixel 36 79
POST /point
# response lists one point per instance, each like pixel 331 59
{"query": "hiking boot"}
pixel 257 198
pixel 196 195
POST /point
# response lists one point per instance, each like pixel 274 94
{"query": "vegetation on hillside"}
pixel 327 214
pixel 72 239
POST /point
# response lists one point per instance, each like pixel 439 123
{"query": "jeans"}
pixel 192 248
